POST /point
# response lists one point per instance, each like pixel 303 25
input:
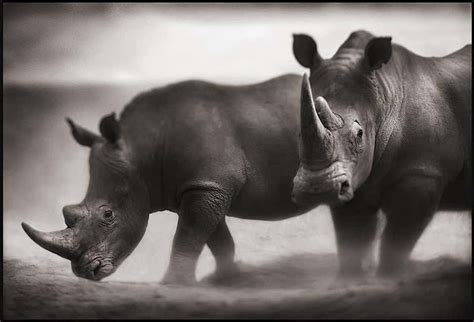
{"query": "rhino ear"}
pixel 81 135
pixel 110 128
pixel 306 51
pixel 378 52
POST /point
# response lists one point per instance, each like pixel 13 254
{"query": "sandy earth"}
pixel 282 276
pixel 287 288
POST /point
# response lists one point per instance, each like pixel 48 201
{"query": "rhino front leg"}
pixel 355 227
pixel 200 213
pixel 409 207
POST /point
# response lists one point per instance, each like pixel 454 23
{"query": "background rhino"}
pixel 198 149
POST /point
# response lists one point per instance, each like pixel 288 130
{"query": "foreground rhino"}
pixel 385 129
pixel 202 150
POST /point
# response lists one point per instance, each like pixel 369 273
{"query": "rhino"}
pixel 201 150
pixel 383 129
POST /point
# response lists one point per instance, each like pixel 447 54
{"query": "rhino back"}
pixel 455 80
pixel 195 133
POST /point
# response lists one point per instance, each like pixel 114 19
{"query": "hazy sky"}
pixel 56 43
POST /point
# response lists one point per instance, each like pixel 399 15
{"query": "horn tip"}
pixel 306 85
pixel 306 81
pixel 321 101
pixel 69 121
pixel 25 225
pixel 27 228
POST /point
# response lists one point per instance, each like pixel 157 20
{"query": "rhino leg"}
pixel 222 247
pixel 409 207
pixel 355 226
pixel 200 214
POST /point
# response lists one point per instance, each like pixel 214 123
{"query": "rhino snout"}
pixel 95 270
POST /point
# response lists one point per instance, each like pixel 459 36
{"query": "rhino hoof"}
pixel 224 276
pixel 173 280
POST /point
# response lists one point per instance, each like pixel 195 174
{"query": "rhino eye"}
pixel 360 133
pixel 108 214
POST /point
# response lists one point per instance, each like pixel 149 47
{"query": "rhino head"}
pixel 109 223
pixel 340 105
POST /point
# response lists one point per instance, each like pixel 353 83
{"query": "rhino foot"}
pixel 395 271
pixel 225 276
pixel 349 280
pixel 178 280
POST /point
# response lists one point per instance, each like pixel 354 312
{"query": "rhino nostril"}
pixel 344 187
pixel 69 220
pixel 97 270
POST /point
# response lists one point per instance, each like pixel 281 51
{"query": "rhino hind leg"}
pixel 200 214
pixel 409 207
pixel 222 247
pixel 355 226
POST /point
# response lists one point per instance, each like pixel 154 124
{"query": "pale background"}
pixel 86 60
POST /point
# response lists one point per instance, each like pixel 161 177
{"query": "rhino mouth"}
pixel 341 194
pixel 87 264
pixel 331 185
pixel 95 269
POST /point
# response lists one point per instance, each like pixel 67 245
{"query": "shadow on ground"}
pixel 298 286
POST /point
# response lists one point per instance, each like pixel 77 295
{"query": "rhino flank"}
pixel 198 149
pixel 383 128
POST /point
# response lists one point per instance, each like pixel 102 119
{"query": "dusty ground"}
pixel 299 286
pixel 288 271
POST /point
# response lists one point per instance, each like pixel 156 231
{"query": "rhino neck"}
pixel 391 93
pixel 142 138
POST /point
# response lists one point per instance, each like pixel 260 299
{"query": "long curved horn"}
pixel 330 120
pixel 314 135
pixel 60 242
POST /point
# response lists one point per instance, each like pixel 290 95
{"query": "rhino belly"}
pixel 265 202
pixel 457 195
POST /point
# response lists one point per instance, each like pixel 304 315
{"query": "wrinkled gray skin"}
pixel 202 150
pixel 383 128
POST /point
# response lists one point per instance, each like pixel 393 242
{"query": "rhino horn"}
pixel 316 139
pixel 330 120
pixel 59 242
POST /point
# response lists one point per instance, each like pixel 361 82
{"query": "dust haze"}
pixel 86 60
